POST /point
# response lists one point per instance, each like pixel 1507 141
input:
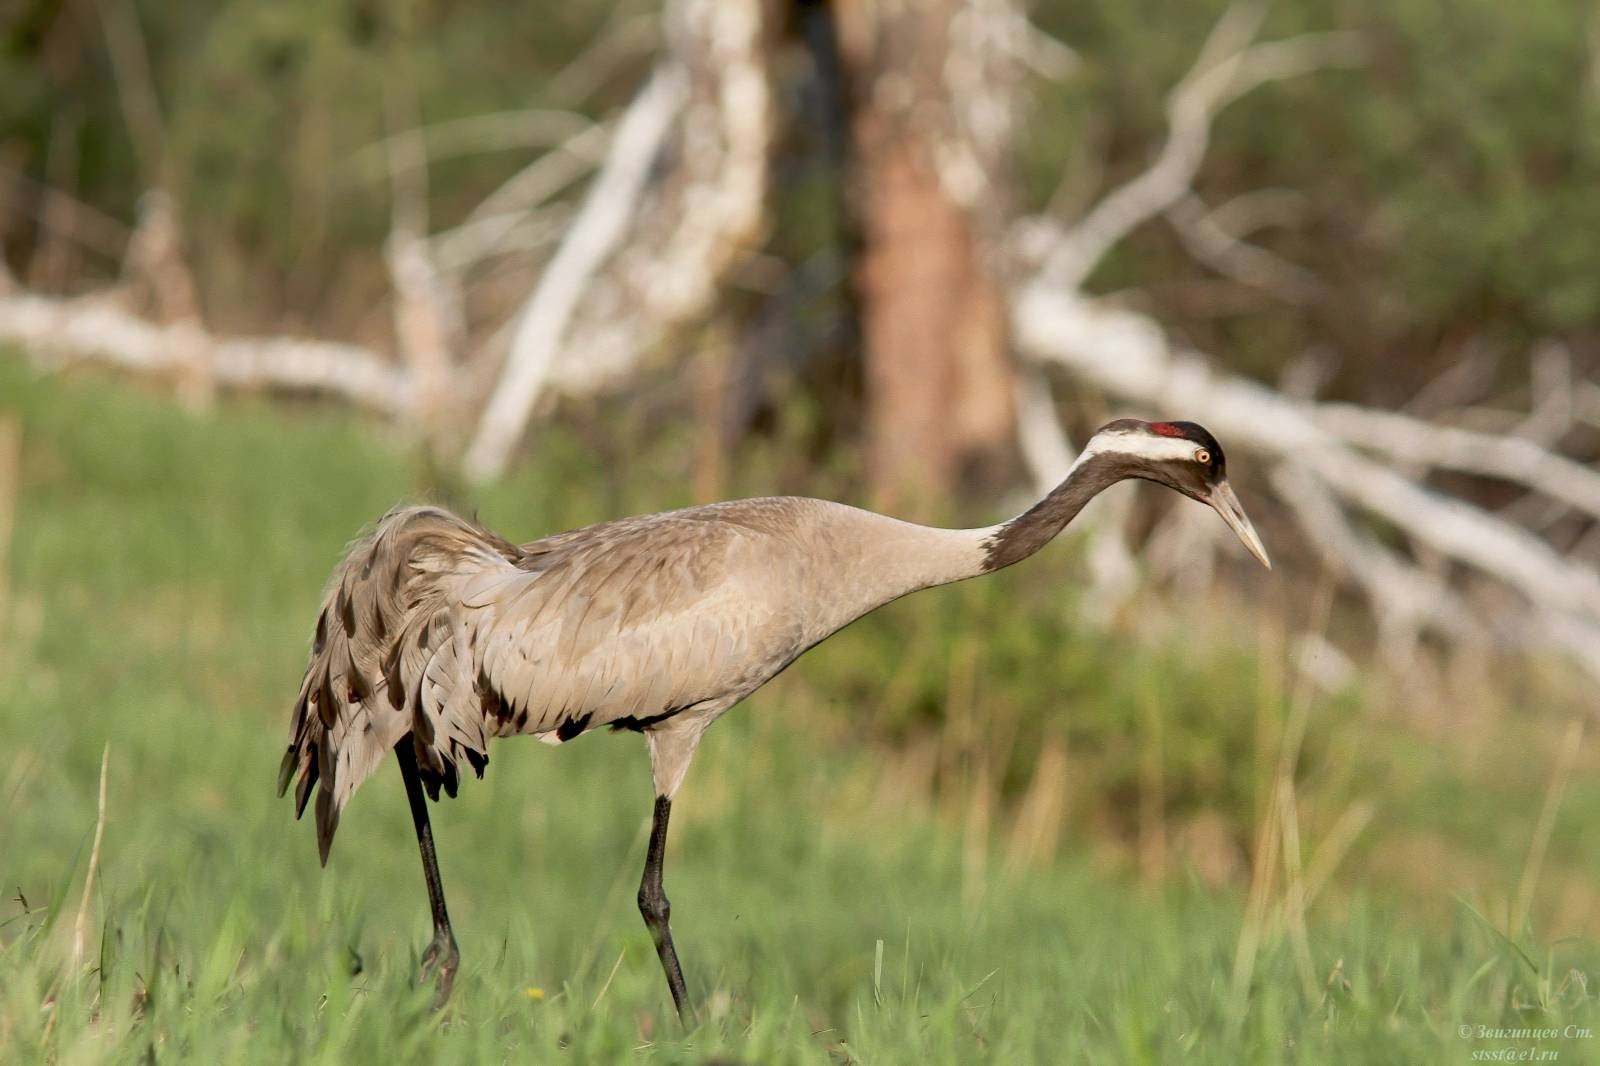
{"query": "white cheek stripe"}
pixel 1143 445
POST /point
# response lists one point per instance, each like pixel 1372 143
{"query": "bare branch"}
pixel 514 232
pixel 593 236
pixel 1228 67
pixel 1041 53
pixel 1553 409
pixel 157 281
pixel 1514 459
pixel 686 228
pixel 136 92
pixel 497 131
pixel 619 41
pixel 1232 257
pixel 1259 209
pixel 1127 355
pixel 54 331
pixel 1323 456
pixel 1405 598
pixel 427 305
pixel 1183 547
pixel 1465 380
pixel 1046 450
pixel 89 226
pixel 547 175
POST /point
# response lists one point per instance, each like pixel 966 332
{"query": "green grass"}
pixel 162 577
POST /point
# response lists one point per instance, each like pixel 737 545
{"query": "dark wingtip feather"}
pixel 347 612
pixel 327 702
pixel 391 678
pixel 303 792
pixel 327 822
pixel 286 769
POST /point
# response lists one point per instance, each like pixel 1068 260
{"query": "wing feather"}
pixel 436 628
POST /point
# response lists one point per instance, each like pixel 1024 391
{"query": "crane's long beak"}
pixel 1227 505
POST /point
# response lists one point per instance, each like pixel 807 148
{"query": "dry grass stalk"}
pixel 1279 834
pixel 609 978
pixel 1326 859
pixel 1566 758
pixel 975 835
pixel 1036 830
pixel 1293 913
pixel 1152 793
pixel 10 482
pixel 80 924
pixel 1262 878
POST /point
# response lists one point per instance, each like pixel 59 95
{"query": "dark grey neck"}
pixel 1038 526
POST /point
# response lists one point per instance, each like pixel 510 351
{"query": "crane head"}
pixel 1183 456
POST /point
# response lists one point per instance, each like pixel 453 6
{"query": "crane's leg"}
pixel 441 957
pixel 656 910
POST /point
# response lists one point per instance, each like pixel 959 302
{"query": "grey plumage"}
pixel 437 635
pixel 435 626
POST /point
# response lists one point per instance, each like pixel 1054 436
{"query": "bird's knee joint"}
pixel 654 906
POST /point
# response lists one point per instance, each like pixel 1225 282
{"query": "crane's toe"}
pixel 439 964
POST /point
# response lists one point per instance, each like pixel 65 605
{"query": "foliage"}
pixel 165 570
pixel 1442 192
pixel 265 107
pixel 1440 188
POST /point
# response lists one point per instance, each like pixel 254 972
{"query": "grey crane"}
pixel 437 635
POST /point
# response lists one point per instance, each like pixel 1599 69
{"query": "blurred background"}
pixel 267 268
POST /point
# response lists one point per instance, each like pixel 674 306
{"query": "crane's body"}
pixel 437 635
pixel 437 627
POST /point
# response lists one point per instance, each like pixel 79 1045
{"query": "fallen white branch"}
pixel 1405 598
pixel 1328 462
pixel 57 331
pixel 1127 355
pixel 1515 459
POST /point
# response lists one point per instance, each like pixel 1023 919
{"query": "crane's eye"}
pixel 1202 456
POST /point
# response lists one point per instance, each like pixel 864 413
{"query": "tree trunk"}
pixel 933 322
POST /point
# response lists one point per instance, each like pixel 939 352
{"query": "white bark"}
pixel 1508 458
pixel 594 235
pixel 55 331
pixel 1229 67
pixel 647 256
pixel 1127 355
pixel 1327 461
pixel 702 217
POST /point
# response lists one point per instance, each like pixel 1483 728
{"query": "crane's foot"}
pixel 439 964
